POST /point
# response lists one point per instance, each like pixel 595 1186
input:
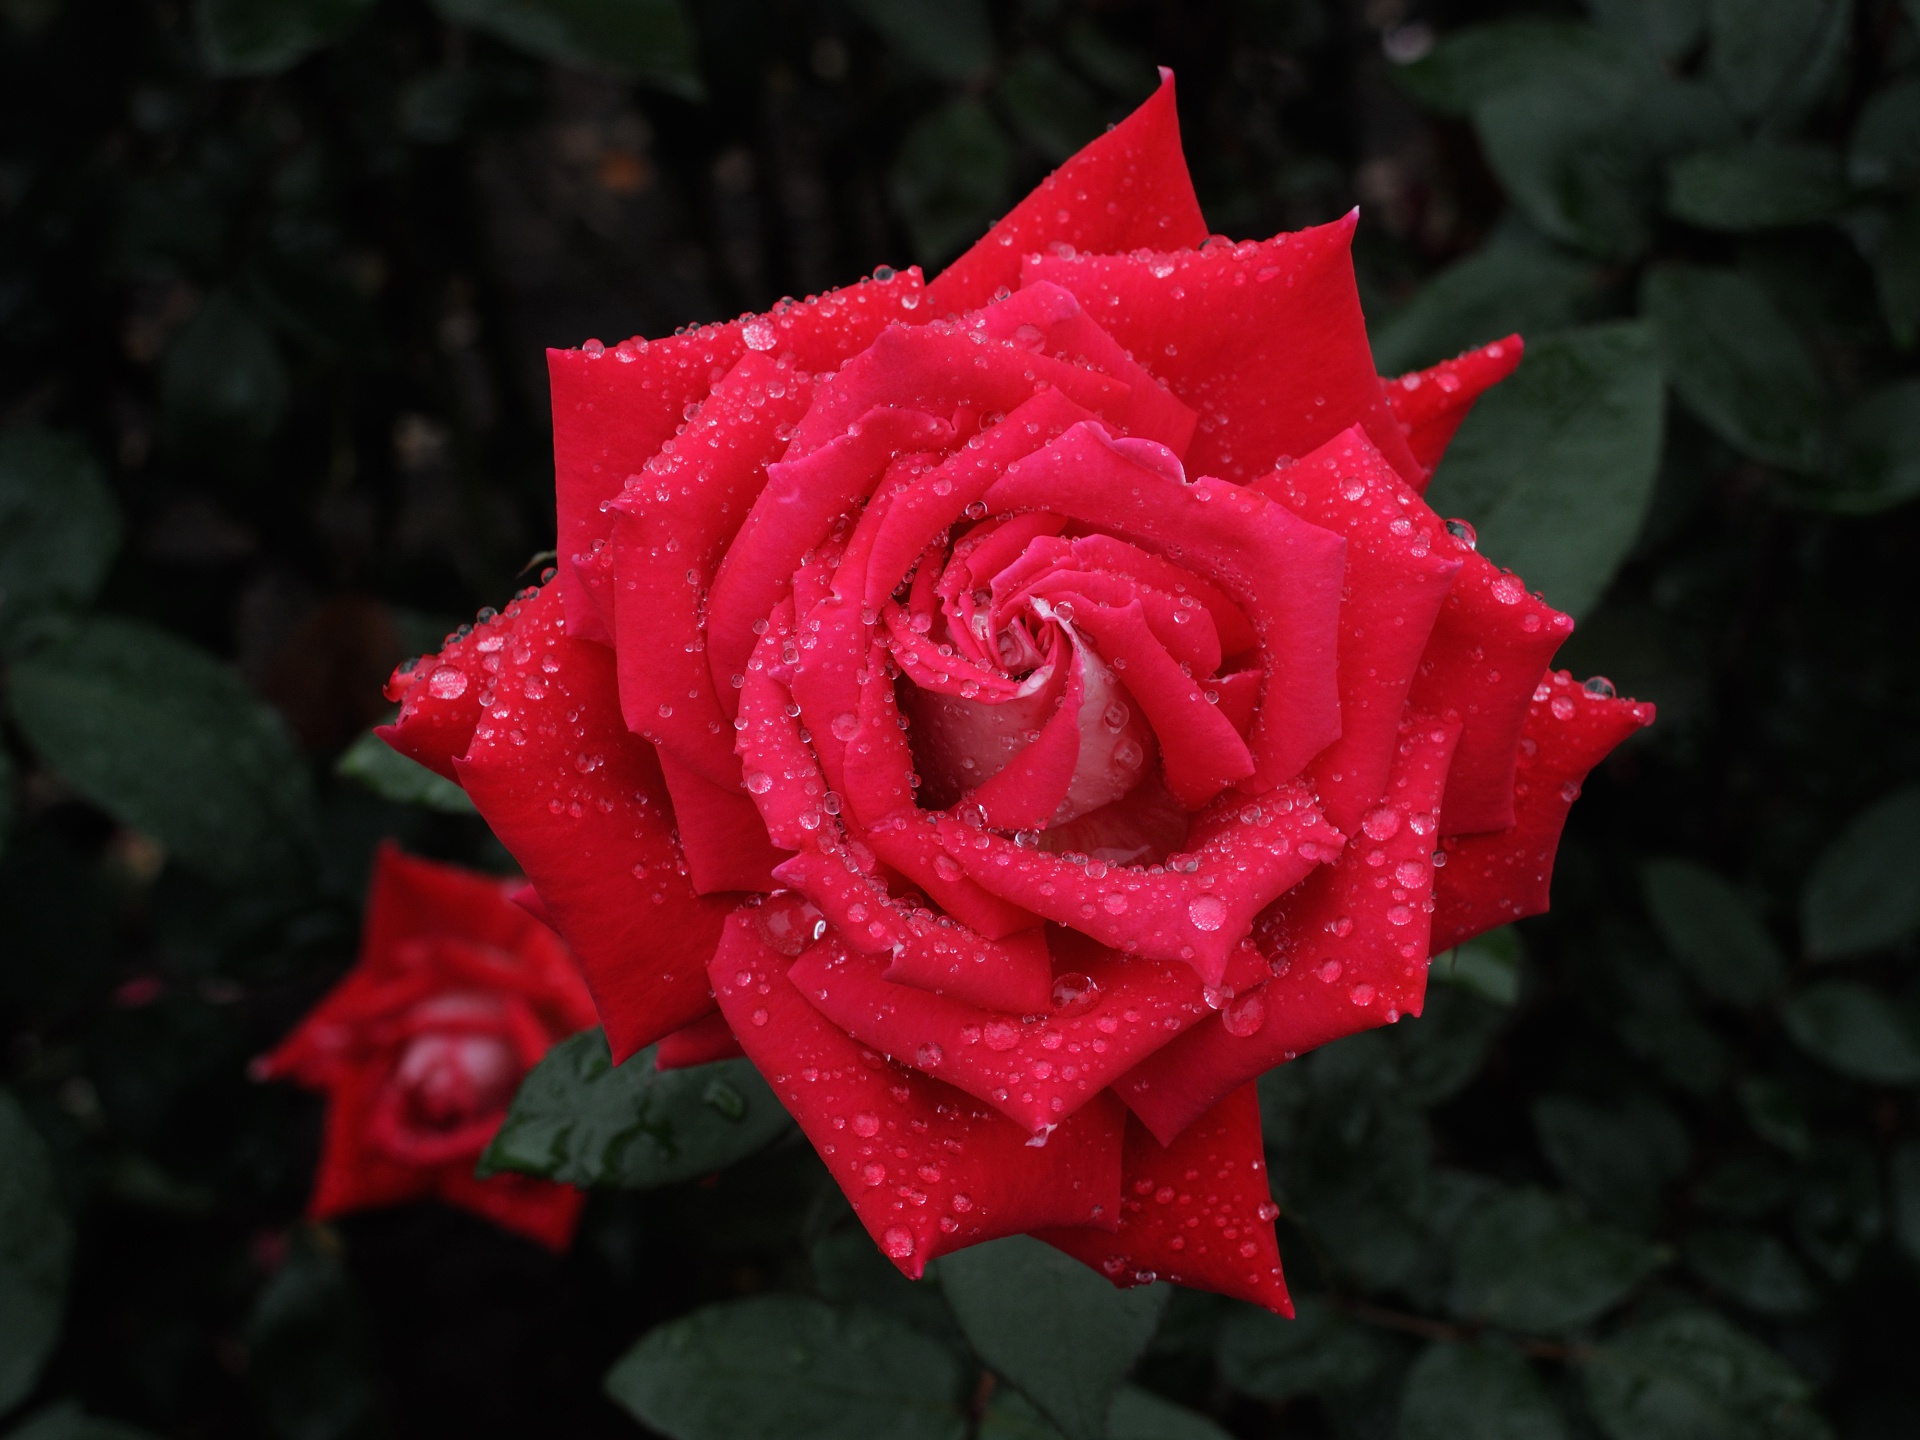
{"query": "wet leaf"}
pixel 36 1248
pixel 1739 365
pixel 1585 403
pixel 1756 186
pixel 1618 1156
pixel 1051 1326
pixel 779 1367
pixel 1482 1389
pixel 1775 58
pixel 1711 931
pixel 1856 1030
pixel 582 1120
pixel 1693 1376
pixel 264 37
pixel 1526 1261
pixel 1753 1268
pixel 59 526
pixel 646 40
pixel 171 742
pixel 1864 893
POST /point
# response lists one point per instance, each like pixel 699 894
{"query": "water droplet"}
pixel 999 1035
pixel 1244 1015
pixel 1601 686
pixel 961 1204
pixel 1074 993
pixel 845 725
pixel 866 1125
pixel 897 1242
pixel 1114 903
pixel 874 1173
pixel 447 683
pixel 1207 912
pixel 929 1055
pixel 758 782
pixel 1509 590
pixel 1382 824
pixel 759 335
pixel 1464 533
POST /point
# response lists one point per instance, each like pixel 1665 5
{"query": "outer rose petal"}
pixel 541 1211
pixel 675 521
pixel 1395 582
pixel 721 833
pixel 1351 945
pixel 1198 1212
pixel 1490 638
pixel 1431 403
pixel 1125 190
pixel 707 1039
pixel 439 699
pixel 1245 854
pixel 614 407
pixel 928 1169
pixel 1284 573
pixel 1495 879
pixel 1037 1069
pixel 1265 339
pixel 580 802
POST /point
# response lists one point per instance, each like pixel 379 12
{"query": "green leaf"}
pixel 1739 365
pixel 1556 466
pixel 1710 930
pixel 264 37
pixel 1526 1261
pixel 951 38
pixel 1440 1050
pixel 393 776
pixel 222 377
pixel 580 1119
pixel 1276 1359
pixel 1879 455
pixel 1885 149
pixel 1482 1389
pixel 1776 1114
pixel 950 179
pixel 67 1421
pixel 1903 1194
pixel 1512 284
pixel 307 1348
pixel 36 1247
pixel 1051 1326
pixel 1691 1375
pixel 1618 1157
pixel 1756 186
pixel 1668 28
pixel 1571 156
pixel 59 526
pixel 1488 965
pixel 1775 58
pixel 1053 110
pixel 1484 60
pixel 1856 1030
pixel 1837 1212
pixel 849 1269
pixel 171 742
pixel 1752 1267
pixel 1864 893
pixel 780 1367
pixel 1142 1415
pixel 645 40
pixel 1895 253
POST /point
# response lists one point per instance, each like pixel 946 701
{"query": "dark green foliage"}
pixel 581 1119
pixel 36 1244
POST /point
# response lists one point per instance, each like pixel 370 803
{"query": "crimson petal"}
pixel 928 1169
pixel 1431 403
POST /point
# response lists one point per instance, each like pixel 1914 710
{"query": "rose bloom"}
pixel 1028 706
pixel 456 994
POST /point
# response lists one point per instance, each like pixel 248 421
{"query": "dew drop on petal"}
pixel 1207 912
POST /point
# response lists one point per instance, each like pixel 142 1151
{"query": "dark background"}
pixel 274 286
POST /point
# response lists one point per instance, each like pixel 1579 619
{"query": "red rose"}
pixel 457 993
pixel 1029 705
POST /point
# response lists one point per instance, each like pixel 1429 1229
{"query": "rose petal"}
pixel 1284 573
pixel 928 1169
pixel 1265 340
pixel 543 1212
pixel 1395 583
pixel 706 1040
pixel 1487 649
pixel 720 831
pixel 580 803
pixel 1431 403
pixel 1198 1212
pixel 439 698
pixel 675 520
pixel 1350 942
pixel 1037 1067
pixel 1246 854
pixel 780 772
pixel 1497 878
pixel 801 500
pixel 1048 318
pixel 1126 189
pixel 936 954
pixel 909 841
pixel 615 406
